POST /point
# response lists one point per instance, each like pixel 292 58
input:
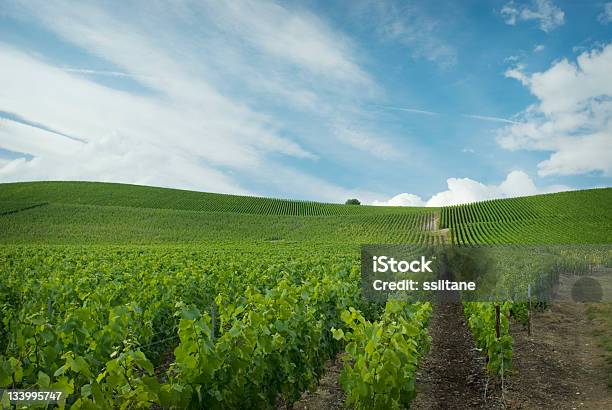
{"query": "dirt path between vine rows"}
pixel 328 395
pixel 452 374
pixel 433 227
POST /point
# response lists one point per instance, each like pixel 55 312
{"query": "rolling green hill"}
pixel 565 217
pixel 102 213
pixel 103 284
pixel 137 196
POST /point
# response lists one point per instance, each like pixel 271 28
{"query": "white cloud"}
pixel 466 190
pixel 300 38
pixel 206 69
pixel 402 200
pixel 605 16
pixel 111 158
pixel 572 118
pixel 538 48
pixel 410 25
pixel 240 136
pixel 23 138
pixel 548 15
pixel 517 73
pixel 461 191
pixel 364 141
pixel 511 59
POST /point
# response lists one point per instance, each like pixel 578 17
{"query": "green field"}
pixel 566 217
pixel 137 196
pixel 131 296
pixel 96 213
pixel 100 213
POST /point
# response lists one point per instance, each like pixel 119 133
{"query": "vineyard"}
pixel 567 217
pixel 135 196
pixel 136 297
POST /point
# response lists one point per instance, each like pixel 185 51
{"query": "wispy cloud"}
pixel 364 141
pixel 605 17
pixel 410 25
pixel 545 12
pixel 217 69
pixel 295 36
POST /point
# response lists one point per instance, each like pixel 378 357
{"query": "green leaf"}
pixel 43 381
pixel 338 334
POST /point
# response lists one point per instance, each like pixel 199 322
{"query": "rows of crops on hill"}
pixel 77 224
pixel 11 207
pixel 136 296
pixel 569 217
pixel 583 217
pixel 106 194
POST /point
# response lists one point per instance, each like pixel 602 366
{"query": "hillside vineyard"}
pixel 126 296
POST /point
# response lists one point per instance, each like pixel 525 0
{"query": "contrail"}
pixel 103 72
pixel 412 110
pixel 486 118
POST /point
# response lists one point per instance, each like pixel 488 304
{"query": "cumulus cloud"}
pixel 545 12
pixel 605 16
pixel 572 118
pixel 466 190
pixel 402 200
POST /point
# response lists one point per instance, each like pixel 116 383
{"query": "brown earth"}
pixel 329 394
pixel 560 365
pixel 452 375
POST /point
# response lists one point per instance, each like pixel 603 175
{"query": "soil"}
pixel 452 374
pixel 161 370
pixel 329 394
pixel 560 365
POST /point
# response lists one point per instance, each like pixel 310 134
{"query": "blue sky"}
pixel 403 103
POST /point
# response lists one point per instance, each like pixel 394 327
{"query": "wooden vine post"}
pixel 212 314
pixel 529 310
pixel 497 322
pixel 498 334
